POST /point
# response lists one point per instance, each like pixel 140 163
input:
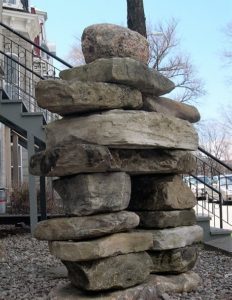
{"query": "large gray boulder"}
pixel 118 272
pixel 160 192
pixel 124 129
pixel 125 71
pixel 171 238
pixel 166 219
pixel 71 158
pixel 174 261
pixel 108 40
pixel 112 245
pixel 81 228
pixel 151 289
pixel 87 194
pixel 63 97
pixel 172 108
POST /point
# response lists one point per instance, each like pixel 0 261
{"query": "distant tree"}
pixel 136 17
pixel 166 57
pixel 215 140
pixel 75 55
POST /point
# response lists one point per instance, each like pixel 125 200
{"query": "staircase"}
pixel 24 63
pixel 214 207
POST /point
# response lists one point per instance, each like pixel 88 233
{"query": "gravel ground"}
pixel 31 272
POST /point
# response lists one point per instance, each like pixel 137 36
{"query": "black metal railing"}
pixel 24 64
pixel 212 185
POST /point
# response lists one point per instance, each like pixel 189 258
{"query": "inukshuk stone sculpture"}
pixel 119 151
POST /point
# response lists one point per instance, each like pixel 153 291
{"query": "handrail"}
pixel 216 191
pixel 22 65
pixel 212 170
pixel 34 44
pixel 214 158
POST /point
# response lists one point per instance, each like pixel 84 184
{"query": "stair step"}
pixel 220 231
pixel 11 101
pixel 12 115
pixel 203 218
pixel 33 114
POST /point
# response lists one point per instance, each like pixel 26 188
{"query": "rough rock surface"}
pixel 31 272
pixel 108 40
pixel 125 71
pixel 3 253
pixel 72 158
pixel 80 228
pixel 163 192
pixel 118 272
pixel 165 219
pixel 87 194
pixel 174 261
pixel 112 245
pixel 178 237
pixel 171 108
pixel 124 129
pixel 62 97
pixel 152 289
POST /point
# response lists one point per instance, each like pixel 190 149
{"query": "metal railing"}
pixel 212 185
pixel 24 63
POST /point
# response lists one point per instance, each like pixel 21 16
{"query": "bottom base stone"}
pixel 155 286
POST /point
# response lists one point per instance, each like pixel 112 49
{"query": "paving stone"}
pixel 172 108
pixel 166 219
pixel 112 245
pixel 160 192
pixel 172 238
pixel 81 228
pixel 125 71
pixel 72 158
pixel 63 97
pixel 118 272
pixel 174 261
pixel 152 289
pixel 87 194
pixel 124 129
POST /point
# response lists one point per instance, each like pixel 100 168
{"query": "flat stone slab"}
pixel 81 228
pixel 125 71
pixel 112 245
pixel 124 129
pixel 166 219
pixel 87 194
pixel 65 97
pixel 108 40
pixel 160 192
pixel 172 108
pixel 178 237
pixel 72 158
pixel 118 272
pixel 174 261
pixel 155 286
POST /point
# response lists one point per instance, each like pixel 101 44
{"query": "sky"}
pixel 200 29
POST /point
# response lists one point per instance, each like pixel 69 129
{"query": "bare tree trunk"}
pixel 135 16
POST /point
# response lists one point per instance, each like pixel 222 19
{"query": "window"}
pixel 11 68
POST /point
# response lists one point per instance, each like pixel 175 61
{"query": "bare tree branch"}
pixel 165 57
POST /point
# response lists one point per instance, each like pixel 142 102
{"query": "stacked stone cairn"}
pixel 119 152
